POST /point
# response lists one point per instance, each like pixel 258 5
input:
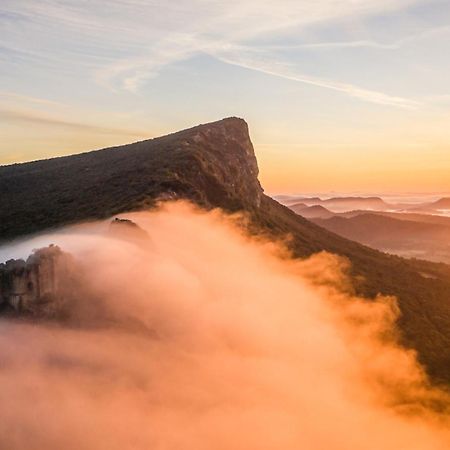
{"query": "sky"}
pixel 339 95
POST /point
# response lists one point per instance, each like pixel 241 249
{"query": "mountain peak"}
pixel 225 151
pixel 210 164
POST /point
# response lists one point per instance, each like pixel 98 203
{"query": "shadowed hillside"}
pixel 312 212
pixel 413 217
pixel 407 238
pixel 214 165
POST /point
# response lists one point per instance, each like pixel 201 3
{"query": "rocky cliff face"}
pixel 34 286
pixel 229 162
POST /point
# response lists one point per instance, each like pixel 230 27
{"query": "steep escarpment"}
pixel 214 165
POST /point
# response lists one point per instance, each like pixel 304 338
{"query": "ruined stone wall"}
pixel 45 284
pixel 32 285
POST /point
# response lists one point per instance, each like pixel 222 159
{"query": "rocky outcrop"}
pixel 34 286
pixel 49 282
pixel 128 230
pixel 229 159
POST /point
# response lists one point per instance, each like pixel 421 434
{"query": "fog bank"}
pixel 202 338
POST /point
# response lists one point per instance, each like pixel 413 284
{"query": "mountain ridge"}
pixel 132 176
pixel 214 165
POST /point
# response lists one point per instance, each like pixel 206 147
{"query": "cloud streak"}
pixel 137 39
pixel 265 65
pixel 43 119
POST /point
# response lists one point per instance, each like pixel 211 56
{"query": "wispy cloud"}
pixel 131 73
pixel 37 111
pixel 262 63
pixel 388 45
pixel 137 39
pixel 36 118
pixel 343 44
pixel 8 96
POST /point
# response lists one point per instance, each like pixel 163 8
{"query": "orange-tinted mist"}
pixel 213 341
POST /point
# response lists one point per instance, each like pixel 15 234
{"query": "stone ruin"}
pixel 42 285
pixel 34 286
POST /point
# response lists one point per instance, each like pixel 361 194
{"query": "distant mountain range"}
pixel 408 238
pixel 214 165
pixel 337 203
pixel 345 204
pixel 412 235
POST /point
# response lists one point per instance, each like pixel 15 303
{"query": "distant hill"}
pixel 298 207
pixel 356 202
pixel 436 207
pixel 214 165
pixel 311 212
pixel 289 200
pixel 404 237
pixel 337 204
pixel 443 203
pixel 414 217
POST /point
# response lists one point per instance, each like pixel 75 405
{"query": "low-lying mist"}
pixel 203 338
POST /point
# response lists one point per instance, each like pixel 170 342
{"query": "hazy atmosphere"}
pixel 224 225
pixel 344 96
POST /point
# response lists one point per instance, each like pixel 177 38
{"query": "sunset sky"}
pixel 348 95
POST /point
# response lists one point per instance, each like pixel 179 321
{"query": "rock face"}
pixel 128 230
pixel 33 286
pixel 230 161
